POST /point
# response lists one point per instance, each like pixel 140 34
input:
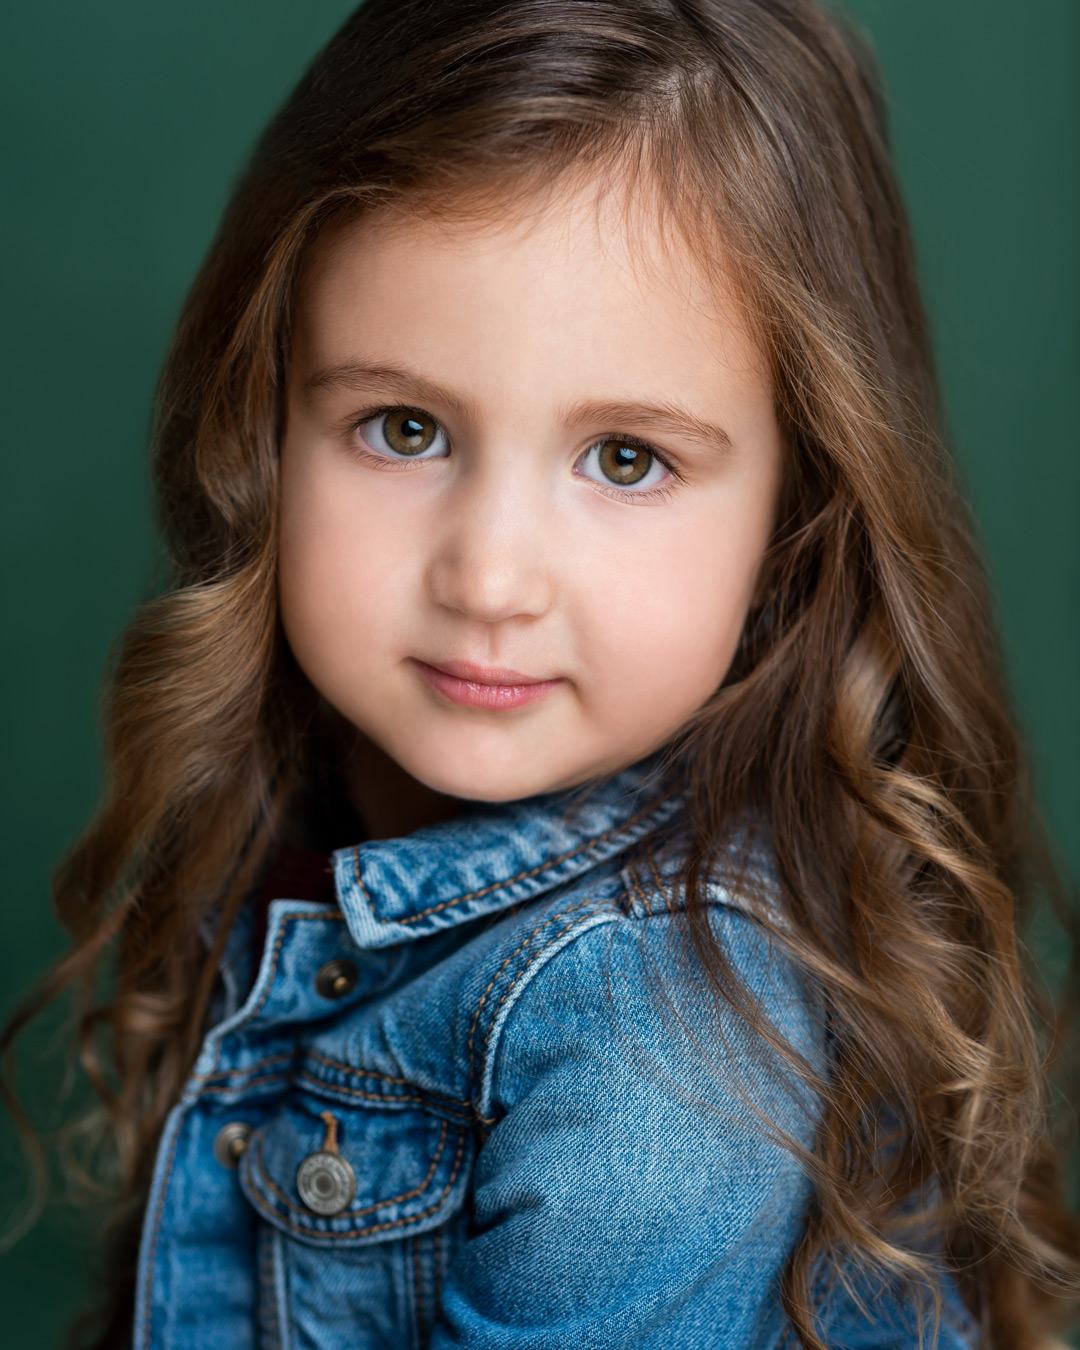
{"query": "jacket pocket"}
pixel 407 1157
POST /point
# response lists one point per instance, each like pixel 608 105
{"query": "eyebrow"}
pixel 663 417
pixel 410 386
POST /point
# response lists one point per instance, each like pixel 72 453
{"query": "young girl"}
pixel 564 833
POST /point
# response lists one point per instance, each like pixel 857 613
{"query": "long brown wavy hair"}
pixel 864 717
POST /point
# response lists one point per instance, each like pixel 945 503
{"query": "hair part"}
pixel 863 718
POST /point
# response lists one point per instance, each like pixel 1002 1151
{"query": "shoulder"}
pixel 609 961
pixel 642 1141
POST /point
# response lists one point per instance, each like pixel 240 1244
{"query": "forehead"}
pixel 593 265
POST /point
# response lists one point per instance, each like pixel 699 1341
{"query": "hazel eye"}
pixel 405 433
pixel 622 463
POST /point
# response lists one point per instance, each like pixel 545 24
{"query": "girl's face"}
pixel 529 473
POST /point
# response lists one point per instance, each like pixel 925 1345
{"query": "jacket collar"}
pixel 490 857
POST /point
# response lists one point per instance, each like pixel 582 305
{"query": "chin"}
pixel 484 773
pixel 479 785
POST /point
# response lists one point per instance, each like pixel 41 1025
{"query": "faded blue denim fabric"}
pixel 555 1131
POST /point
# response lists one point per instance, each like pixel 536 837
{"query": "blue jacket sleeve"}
pixel 629 1194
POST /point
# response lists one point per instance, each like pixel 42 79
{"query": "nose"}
pixel 490 562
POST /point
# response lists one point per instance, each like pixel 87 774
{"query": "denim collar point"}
pixel 492 856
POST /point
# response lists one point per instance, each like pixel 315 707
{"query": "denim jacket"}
pixel 483 1101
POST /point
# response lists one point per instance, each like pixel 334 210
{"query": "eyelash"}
pixel 665 489
pixel 352 428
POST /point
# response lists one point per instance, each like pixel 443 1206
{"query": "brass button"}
pixel 336 979
pixel 231 1141
pixel 326 1183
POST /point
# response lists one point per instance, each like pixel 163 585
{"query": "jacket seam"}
pixel 544 922
pixel 529 968
pixel 368 1096
pixel 383 1077
pixel 437 1101
pixel 615 830
pixel 639 891
pixel 151 1255
pixel 270 1333
pixel 274 958
pixel 248 1083
pixel 666 891
pixel 368 1209
pixel 246 1069
pixel 418 1294
pixel 436 1258
pixel 527 972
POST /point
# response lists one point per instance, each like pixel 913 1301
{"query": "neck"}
pixel 389 801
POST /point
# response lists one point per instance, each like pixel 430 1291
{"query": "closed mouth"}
pixel 495 688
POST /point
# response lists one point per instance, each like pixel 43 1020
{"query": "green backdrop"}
pixel 124 124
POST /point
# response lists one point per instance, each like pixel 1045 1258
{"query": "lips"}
pixel 494 688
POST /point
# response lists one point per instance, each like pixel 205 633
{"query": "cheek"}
pixel 341 574
pixel 666 629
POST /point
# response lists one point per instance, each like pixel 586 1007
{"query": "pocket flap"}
pixel 411 1168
